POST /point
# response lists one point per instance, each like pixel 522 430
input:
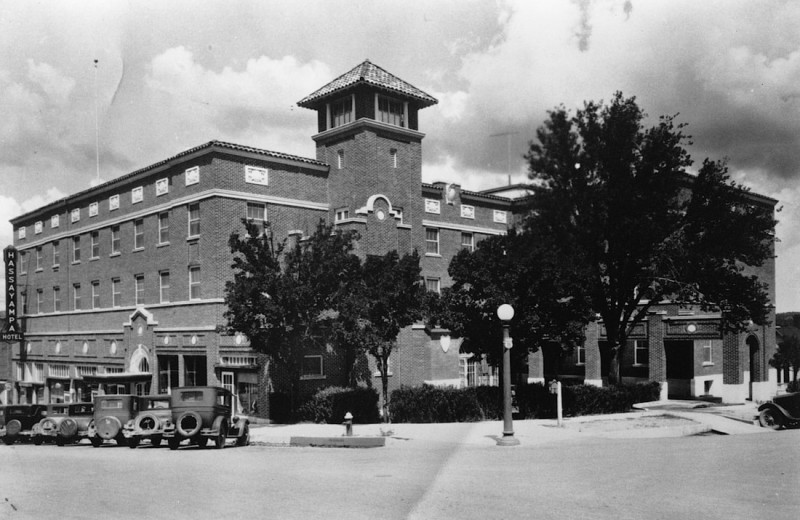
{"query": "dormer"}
pixel 367 92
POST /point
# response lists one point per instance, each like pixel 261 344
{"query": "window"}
pixel 139 285
pixel 581 355
pixel 95 244
pixel 393 156
pixel 56 254
pixel 114 240
pixel 137 195
pixel 38 258
pixel 707 359
pixel 39 299
pixel 341 112
pixel 433 285
pixel 75 216
pixel 116 292
pixel 76 297
pixel 391 111
pixel 23 265
pixel 467 241
pixel 21 233
pixel 194 220
pixel 76 249
pixel 256 211
pixel 312 367
pixel 37 227
pixel 194 283
pixel 253 175
pixel 95 295
pixel 192 176
pixel 57 299
pixel 340 159
pixel 138 234
pixel 163 228
pixel 54 221
pixel 113 202
pixel 24 297
pixel 163 284
pixel 640 352
pixel 432 206
pixel 342 214
pixel 93 209
pixel 431 241
pixel 194 370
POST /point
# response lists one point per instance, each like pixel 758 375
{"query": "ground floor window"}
pixel 167 373
pixel 194 370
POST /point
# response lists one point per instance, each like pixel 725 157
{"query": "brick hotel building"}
pixel 122 285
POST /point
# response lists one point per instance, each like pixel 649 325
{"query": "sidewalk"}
pixel 656 419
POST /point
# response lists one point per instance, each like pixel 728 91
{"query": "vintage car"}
pixel 111 412
pixel 19 421
pixel 154 417
pixel 206 413
pixel 783 410
pixel 51 411
pixel 66 423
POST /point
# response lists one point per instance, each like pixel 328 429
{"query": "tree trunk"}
pixel 385 386
pixel 615 366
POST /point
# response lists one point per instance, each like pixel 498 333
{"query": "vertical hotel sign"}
pixel 13 329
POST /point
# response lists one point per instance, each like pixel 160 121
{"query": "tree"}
pixel 519 270
pixel 788 355
pixel 284 297
pixel 392 298
pixel 634 228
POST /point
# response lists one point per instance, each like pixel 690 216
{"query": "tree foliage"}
pixel 634 228
pixel 518 270
pixel 285 296
pixel 788 355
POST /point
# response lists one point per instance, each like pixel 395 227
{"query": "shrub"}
pixel 430 404
pixel 793 386
pixel 330 405
pixel 279 408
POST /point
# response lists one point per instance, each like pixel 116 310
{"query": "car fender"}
pixel 772 406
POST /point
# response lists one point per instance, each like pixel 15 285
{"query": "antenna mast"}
pixel 96 125
pixel 507 135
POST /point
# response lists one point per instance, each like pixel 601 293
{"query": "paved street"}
pixel 709 477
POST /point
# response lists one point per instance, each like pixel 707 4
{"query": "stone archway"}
pixel 754 365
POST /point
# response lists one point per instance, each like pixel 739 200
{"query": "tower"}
pixel 368 132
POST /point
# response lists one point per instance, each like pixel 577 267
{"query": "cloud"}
pixel 55 85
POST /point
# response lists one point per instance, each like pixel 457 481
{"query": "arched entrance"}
pixel 754 365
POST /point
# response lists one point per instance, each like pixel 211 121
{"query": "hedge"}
pixel 330 405
pixel 426 404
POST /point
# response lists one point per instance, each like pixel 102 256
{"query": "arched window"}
pixel 144 366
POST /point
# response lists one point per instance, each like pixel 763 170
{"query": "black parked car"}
pixel 783 410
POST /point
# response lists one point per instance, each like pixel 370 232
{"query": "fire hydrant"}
pixel 348 424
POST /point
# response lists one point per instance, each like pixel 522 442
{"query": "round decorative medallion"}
pixel 140 330
pixel 85 348
pixel 239 339
pixel 58 347
pixel 380 214
pixel 166 340
pixel 691 327
pixel 194 340
pixel 28 347
pixel 113 348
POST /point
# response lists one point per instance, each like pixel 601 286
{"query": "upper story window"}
pixel 391 111
pixel 113 202
pixel 76 249
pixel 95 244
pixel 342 214
pixel 340 159
pixel 163 228
pixel 138 284
pixel 194 283
pixel 75 216
pixel 641 352
pixel 37 227
pixel 256 211
pixel 56 254
pixel 342 112
pixel 138 234
pixel 433 285
pixel 194 220
pixel 21 233
pixel 393 157
pixel 54 221
pixel 115 240
pixel 467 241
pixel 431 241
pixel 38 258
pixel 93 209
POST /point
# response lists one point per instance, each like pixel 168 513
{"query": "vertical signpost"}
pixel 13 330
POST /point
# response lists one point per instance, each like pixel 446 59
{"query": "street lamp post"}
pixel 506 312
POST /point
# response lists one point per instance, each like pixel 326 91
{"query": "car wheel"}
pixel 174 442
pixel 8 441
pixel 771 418
pixel 222 436
pixel 59 440
pixel 37 440
pixel 155 441
pixel 133 441
pixel 96 441
pixel 189 424
pixel 244 438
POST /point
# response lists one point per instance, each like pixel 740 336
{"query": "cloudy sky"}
pixel 173 75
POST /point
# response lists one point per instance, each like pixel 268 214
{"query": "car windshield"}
pixel 193 395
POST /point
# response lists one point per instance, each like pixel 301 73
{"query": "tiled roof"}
pixel 369 73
